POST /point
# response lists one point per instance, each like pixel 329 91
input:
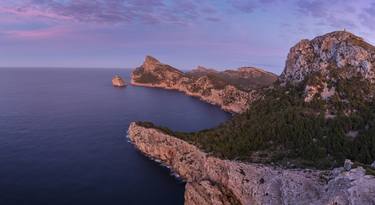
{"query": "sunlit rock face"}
pixel 117 81
pixel 337 50
pixel 327 61
pixel 232 90
pixel 222 182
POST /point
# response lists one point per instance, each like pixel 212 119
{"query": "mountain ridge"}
pixel 231 90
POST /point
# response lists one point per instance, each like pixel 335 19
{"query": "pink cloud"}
pixel 37 34
pixel 111 11
pixel 30 12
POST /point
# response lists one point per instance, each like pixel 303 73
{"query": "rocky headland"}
pixel 292 142
pixel 232 90
pixel 215 181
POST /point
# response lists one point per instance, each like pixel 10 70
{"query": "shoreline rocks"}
pixel 238 104
pixel 117 81
pixel 215 181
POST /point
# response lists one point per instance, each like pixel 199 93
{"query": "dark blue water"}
pixel 63 138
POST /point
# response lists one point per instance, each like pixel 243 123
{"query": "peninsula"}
pixel 290 146
pixel 232 90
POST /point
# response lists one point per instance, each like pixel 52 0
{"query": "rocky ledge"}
pixel 232 90
pixel 215 181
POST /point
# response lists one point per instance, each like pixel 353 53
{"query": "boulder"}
pixel 348 164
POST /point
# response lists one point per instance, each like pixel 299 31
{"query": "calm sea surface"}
pixel 63 137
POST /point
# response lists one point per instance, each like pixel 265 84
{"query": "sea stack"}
pixel 117 81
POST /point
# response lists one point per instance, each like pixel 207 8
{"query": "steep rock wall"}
pixel 214 181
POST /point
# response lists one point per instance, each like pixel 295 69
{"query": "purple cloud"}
pixel 227 32
pixel 112 11
pixel 37 33
pixel 328 13
pixel 367 17
pixel 244 6
pixel 248 6
pixel 316 8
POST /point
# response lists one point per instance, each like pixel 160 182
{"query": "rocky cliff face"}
pixel 326 62
pixel 215 181
pixel 338 50
pixel 231 90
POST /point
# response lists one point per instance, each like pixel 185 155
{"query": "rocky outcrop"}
pixel 117 81
pixel 336 50
pixel 215 181
pixel 325 61
pixel 231 90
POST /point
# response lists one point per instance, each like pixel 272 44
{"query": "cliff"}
pixel 336 51
pixel 329 68
pixel 231 90
pixel 215 181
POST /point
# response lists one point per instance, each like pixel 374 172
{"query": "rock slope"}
pixel 338 50
pixel 325 63
pixel 231 90
pixel 214 181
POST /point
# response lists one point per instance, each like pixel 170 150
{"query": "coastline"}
pixel 322 68
pixel 233 108
pixel 216 181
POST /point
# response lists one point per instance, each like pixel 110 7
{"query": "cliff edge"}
pixel 215 181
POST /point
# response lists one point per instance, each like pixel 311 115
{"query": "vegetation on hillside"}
pixel 241 80
pixel 282 128
pixel 144 77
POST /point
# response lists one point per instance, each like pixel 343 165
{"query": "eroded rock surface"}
pixel 326 62
pixel 336 50
pixel 215 181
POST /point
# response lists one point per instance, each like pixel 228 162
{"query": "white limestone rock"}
pixel 213 181
pixel 336 50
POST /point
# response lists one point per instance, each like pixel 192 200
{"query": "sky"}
pixel 220 34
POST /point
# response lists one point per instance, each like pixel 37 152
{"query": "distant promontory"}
pixel 232 90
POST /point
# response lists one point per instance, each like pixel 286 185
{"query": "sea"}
pixel 63 137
